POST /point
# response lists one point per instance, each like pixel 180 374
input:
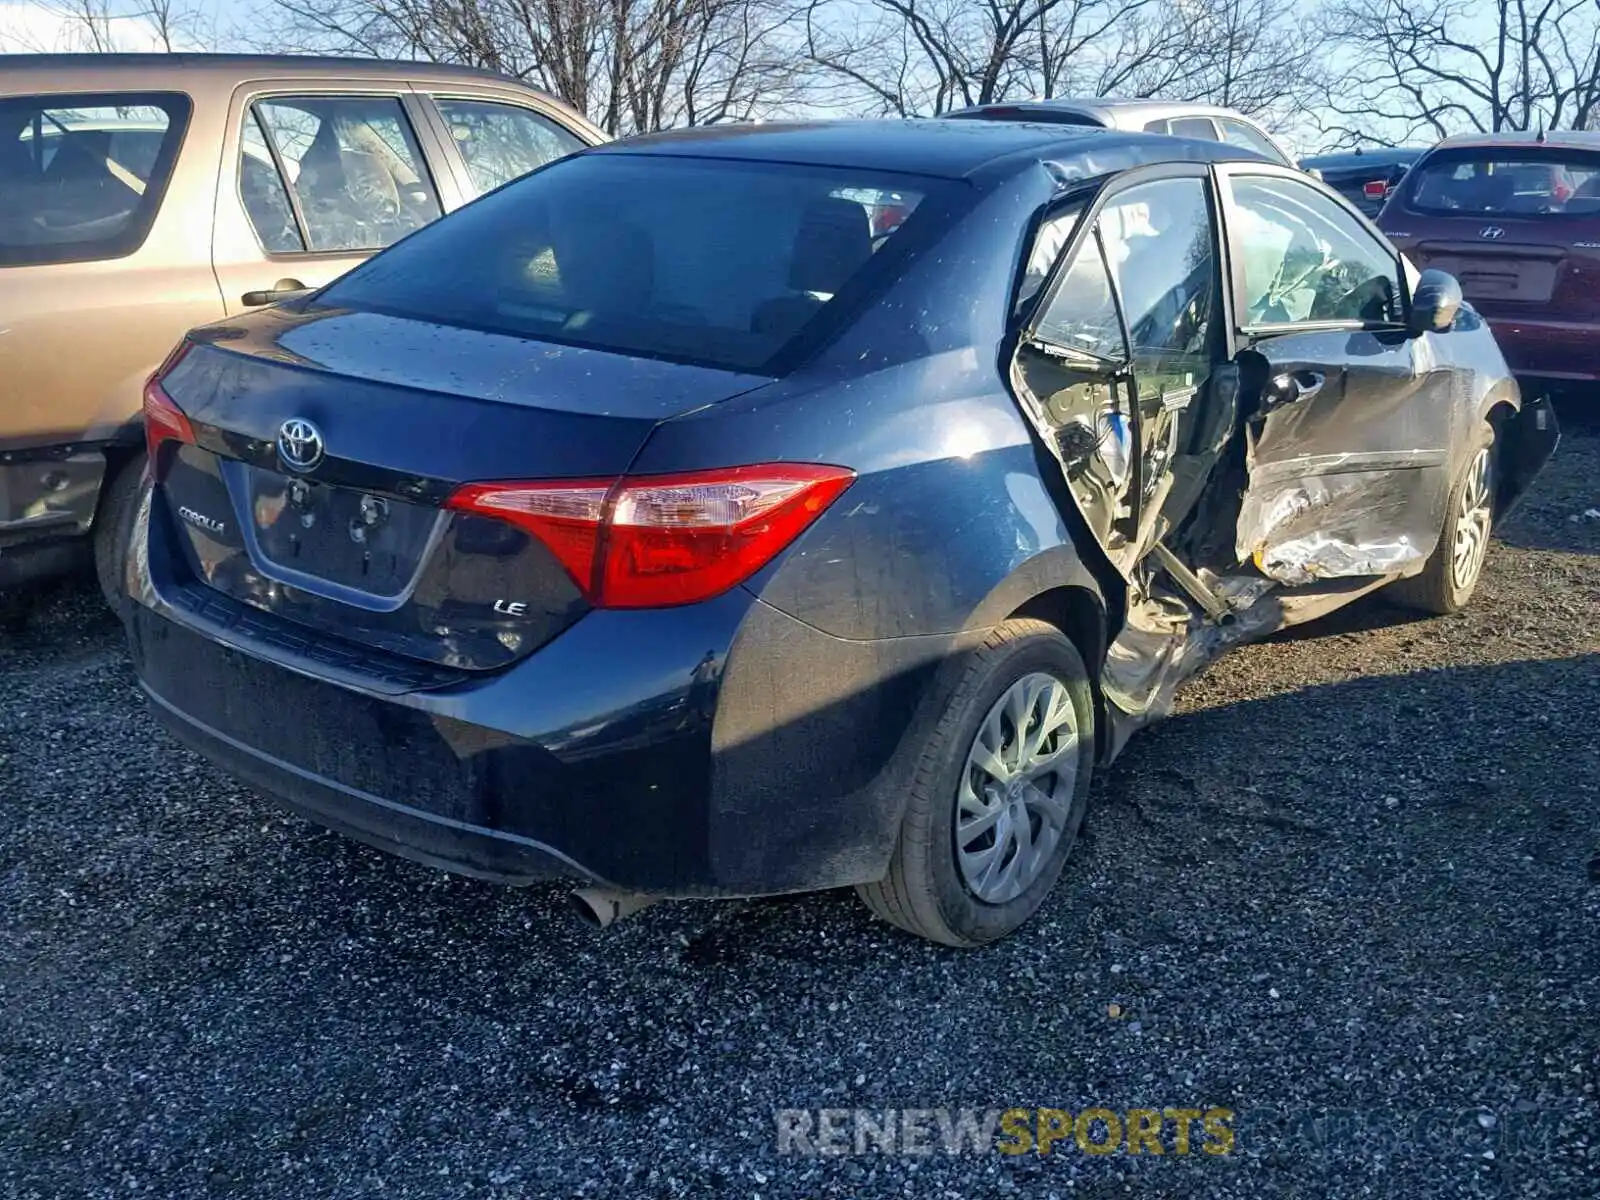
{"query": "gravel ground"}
pixel 1348 891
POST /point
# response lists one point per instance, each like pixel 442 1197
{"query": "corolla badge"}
pixel 1491 232
pixel 201 521
pixel 299 444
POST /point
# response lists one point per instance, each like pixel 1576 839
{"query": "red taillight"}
pixel 651 541
pixel 567 517
pixel 163 420
pixel 1377 189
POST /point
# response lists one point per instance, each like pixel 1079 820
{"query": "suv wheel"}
pixel 113 528
pixel 998 795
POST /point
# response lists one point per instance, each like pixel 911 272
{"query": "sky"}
pixel 26 26
pixel 31 25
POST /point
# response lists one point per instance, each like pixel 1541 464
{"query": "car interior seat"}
pixel 83 187
pixel 1587 196
pixel 268 206
pixel 607 272
pixel 320 181
pixel 1497 192
pixel 832 242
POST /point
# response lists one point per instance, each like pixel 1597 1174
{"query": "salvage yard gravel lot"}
pixel 1348 891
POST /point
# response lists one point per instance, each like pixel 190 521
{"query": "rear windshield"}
pixel 1507 183
pixel 700 260
pixel 81 177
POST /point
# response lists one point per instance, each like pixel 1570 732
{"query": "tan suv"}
pixel 141 195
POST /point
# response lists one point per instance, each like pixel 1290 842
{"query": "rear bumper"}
pixel 402 829
pixel 718 749
pixel 1566 350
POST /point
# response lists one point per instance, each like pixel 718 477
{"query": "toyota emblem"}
pixel 299 444
pixel 1491 232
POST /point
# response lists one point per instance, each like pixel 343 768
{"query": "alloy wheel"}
pixel 1470 539
pixel 1016 790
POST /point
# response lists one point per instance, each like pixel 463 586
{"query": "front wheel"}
pixel 1451 575
pixel 998 795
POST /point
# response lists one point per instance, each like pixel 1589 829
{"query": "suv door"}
pixel 105 211
pixel 1348 445
pixel 315 180
pixel 1117 360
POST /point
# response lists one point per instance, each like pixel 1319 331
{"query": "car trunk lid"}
pixel 326 449
pixel 1518 226
pixel 1497 267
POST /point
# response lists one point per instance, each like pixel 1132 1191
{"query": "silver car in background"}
pixel 1206 122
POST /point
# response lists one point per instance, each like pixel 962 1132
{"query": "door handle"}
pixel 281 290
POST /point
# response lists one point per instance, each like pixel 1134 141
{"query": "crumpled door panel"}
pixel 1328 518
pixel 1351 480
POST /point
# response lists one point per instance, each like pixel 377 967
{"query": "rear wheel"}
pixel 998 795
pixel 1450 578
pixel 113 529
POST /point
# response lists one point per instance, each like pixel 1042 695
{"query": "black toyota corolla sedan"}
pixel 751 510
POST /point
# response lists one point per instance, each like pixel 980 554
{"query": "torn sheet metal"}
pixel 1349 456
pixel 1339 526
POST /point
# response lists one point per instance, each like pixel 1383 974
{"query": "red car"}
pixel 1516 218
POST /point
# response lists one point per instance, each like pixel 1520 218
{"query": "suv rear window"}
pixel 714 262
pixel 1512 183
pixel 81 177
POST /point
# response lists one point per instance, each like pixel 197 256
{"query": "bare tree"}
pixel 928 56
pixel 1429 68
pixel 631 65
pixel 175 24
pixel 106 26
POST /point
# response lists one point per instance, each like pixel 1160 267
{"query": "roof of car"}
pixel 948 149
pixel 1376 154
pixel 1566 139
pixel 235 66
pixel 1103 107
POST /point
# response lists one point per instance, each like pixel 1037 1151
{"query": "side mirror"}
pixel 1434 304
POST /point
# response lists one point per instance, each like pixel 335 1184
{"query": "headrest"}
pixel 833 242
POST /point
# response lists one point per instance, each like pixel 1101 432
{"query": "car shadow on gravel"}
pixel 1562 509
pixel 1366 896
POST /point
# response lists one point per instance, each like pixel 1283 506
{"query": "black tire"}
pixel 1438 589
pixel 113 529
pixel 924 892
pixel 16 606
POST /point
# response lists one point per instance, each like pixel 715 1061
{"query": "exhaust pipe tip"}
pixel 599 908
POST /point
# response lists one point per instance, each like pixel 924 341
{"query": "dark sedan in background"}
pixel 743 511
pixel 1516 217
pixel 1365 177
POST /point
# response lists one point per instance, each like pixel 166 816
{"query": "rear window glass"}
pixel 1507 184
pixel 81 177
pixel 714 262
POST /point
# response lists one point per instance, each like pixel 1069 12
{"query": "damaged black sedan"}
pixel 744 511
